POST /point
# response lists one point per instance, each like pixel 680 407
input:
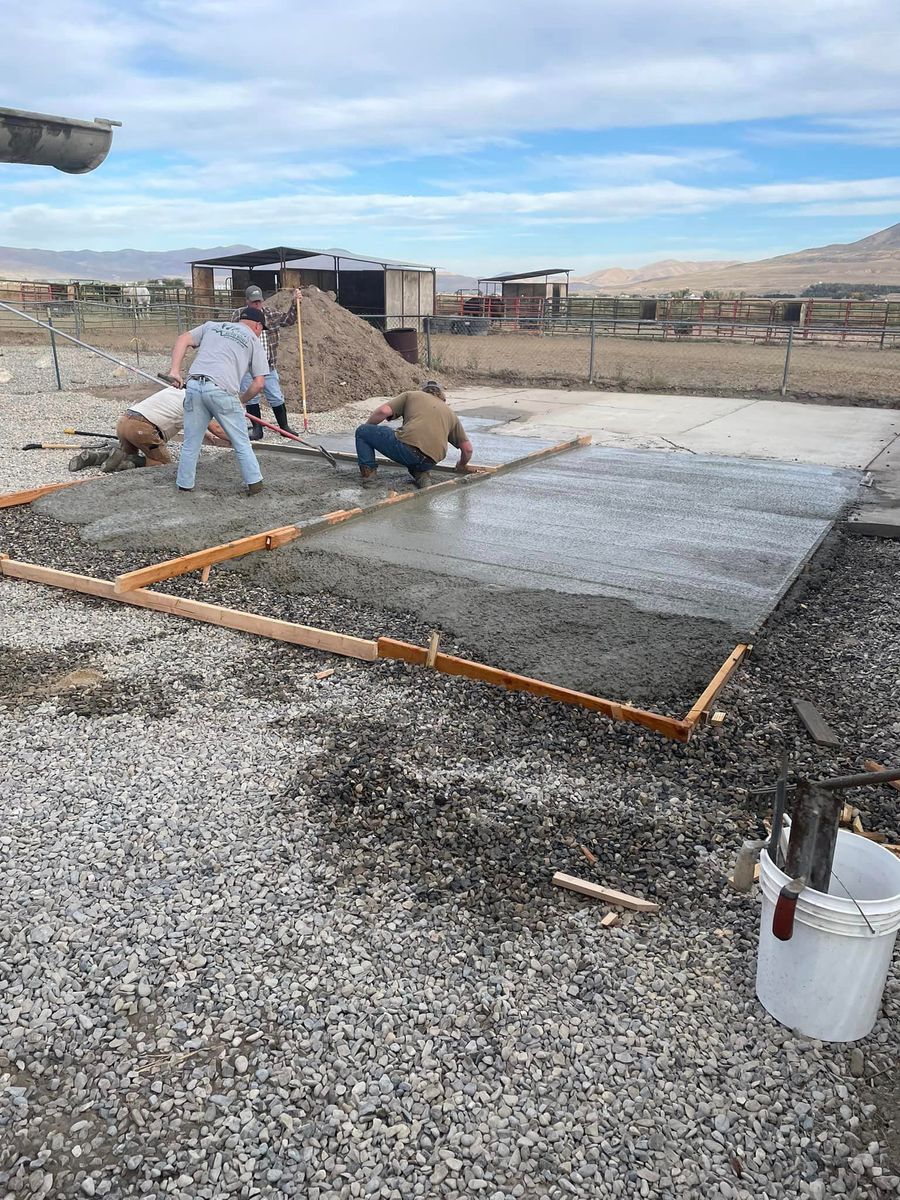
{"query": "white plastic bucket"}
pixel 828 980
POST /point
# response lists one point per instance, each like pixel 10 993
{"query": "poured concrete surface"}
pixel 674 534
pixel 769 429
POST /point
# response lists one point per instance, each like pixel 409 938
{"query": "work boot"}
pixel 255 431
pixel 422 479
pixel 89 458
pixel 117 461
pixel 368 477
pixel 281 417
pixel 253 489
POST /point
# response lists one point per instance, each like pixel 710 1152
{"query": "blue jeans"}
pixel 271 388
pixel 205 402
pixel 370 438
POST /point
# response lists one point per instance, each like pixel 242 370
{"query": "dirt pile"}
pixel 345 358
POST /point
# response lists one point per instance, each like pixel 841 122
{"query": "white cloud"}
pixel 398 73
pixel 876 131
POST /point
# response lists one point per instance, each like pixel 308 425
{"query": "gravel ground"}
pixel 265 935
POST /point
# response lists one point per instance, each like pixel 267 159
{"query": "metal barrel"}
pixel 405 342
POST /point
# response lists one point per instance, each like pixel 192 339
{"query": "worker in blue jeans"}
pixel 429 424
pixel 226 351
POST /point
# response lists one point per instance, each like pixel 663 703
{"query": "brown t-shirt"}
pixel 428 423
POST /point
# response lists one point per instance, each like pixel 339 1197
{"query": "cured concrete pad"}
pixel 833 435
pixel 677 534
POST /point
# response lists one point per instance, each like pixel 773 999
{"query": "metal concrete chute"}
pixel 65 143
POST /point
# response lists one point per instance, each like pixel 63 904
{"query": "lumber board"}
pixel 871 765
pixel 186 563
pixel 608 895
pixel 197 610
pixel 11 499
pixel 708 696
pixel 816 725
pixel 449 664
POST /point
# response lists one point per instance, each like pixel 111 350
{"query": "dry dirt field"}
pixel 840 373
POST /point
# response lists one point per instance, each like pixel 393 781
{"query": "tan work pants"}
pixel 138 434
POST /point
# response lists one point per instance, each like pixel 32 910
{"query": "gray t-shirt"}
pixel 227 351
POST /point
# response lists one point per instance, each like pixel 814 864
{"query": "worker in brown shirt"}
pixel 420 443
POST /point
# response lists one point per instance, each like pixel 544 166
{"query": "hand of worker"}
pixel 178 377
pixel 465 469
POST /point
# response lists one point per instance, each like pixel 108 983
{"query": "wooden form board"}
pixel 708 696
pixel 11 499
pixel 816 725
pixel 345 456
pixel 205 558
pixel 670 727
pixel 871 765
pixel 212 614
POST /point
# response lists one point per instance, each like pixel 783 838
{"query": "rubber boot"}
pixel 368 476
pixel 89 458
pixel 117 461
pixel 255 431
pixel 281 417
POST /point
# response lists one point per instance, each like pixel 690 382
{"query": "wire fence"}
pixel 728 357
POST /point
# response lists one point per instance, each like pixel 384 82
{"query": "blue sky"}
pixel 474 135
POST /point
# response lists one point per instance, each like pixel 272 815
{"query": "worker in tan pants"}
pixel 143 432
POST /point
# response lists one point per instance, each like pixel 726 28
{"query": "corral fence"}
pixel 666 354
pixel 873 322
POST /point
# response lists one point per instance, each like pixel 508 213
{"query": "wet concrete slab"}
pixel 834 435
pixel 675 534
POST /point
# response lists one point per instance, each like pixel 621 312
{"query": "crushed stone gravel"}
pixel 268 935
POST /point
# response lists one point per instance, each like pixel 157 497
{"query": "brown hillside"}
pixel 873 259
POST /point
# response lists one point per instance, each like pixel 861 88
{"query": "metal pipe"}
pixel 851 781
pixel 53 349
pixel 593 352
pixel 787 360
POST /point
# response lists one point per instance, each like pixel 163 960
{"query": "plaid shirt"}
pixel 275 322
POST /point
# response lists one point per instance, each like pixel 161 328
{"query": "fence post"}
pixel 179 319
pixel 787 360
pixel 53 348
pixel 76 308
pixel 427 323
pixel 593 353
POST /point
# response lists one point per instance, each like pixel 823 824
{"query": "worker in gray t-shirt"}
pixel 226 352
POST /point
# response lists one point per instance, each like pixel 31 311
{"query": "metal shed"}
pixel 391 294
pixel 533 284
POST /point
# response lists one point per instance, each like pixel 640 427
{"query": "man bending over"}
pixel 420 443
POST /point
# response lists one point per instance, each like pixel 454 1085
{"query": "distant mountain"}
pixel 111 266
pixel 872 259
pixel 620 277
pixel 446 282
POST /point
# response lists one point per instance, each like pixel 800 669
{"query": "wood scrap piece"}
pixel 326 674
pixel 608 895
pixel 609 920
pixel 816 726
pixel 871 765
pixel 718 718
pixel 881 838
pixel 589 855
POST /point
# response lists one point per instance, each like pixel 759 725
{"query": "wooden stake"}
pixel 609 895
pixel 205 558
pixel 212 614
pixel 404 652
pixel 204 574
pixel 433 644
pixel 589 855
pixel 610 920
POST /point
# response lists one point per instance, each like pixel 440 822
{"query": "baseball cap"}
pixel 253 293
pixel 253 314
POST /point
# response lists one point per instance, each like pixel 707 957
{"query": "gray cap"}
pixel 432 385
pixel 253 292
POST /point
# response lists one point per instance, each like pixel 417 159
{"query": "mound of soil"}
pixel 345 358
